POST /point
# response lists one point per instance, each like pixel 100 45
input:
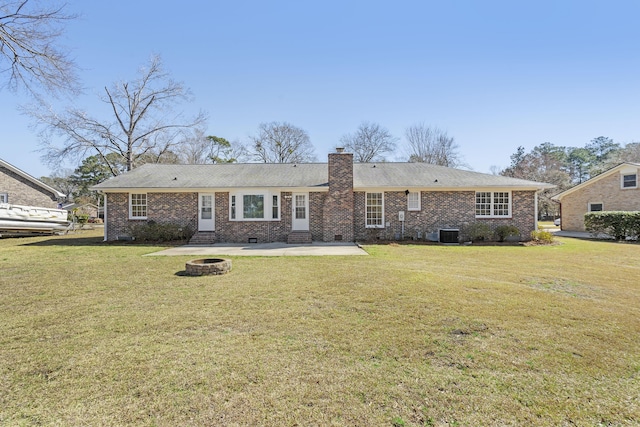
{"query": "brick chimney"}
pixel 338 207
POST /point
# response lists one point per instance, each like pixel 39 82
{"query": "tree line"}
pixel 566 166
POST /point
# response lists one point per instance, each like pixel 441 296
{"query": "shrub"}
pixel 617 224
pixel 504 231
pixel 81 218
pixel 477 231
pixel 159 232
pixel 542 236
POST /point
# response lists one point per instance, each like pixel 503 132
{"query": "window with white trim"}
pixel 413 201
pixel 4 198
pixel 630 180
pixel 596 207
pixel 275 211
pixel 137 206
pixel 493 204
pixel 254 206
pixel 375 210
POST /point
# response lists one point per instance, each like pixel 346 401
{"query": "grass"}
pixel 97 334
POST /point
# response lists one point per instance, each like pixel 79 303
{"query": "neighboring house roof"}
pixel 306 175
pixel 559 196
pixel 72 206
pixel 30 178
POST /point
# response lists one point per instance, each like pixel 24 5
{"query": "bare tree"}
pixel 143 128
pixel 281 143
pixel 61 180
pixel 29 54
pixel 432 145
pixel 199 148
pixel 369 142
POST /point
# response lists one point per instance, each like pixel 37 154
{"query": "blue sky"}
pixel 494 74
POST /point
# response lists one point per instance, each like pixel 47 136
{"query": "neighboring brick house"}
pixel 614 190
pixel 334 201
pixel 19 188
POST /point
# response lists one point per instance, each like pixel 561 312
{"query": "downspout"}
pixel 104 215
pixel 535 210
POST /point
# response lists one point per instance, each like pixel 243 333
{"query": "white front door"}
pixel 206 217
pixel 300 218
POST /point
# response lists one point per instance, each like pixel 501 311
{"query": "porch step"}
pixel 299 238
pixel 203 238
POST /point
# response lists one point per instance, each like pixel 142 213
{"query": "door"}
pixel 300 217
pixel 206 219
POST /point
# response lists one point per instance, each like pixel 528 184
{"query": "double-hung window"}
pixel 413 201
pixel 4 198
pixel 254 206
pixel 493 204
pixel 630 180
pixel 137 206
pixel 375 210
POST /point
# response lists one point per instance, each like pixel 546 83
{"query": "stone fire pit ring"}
pixel 208 266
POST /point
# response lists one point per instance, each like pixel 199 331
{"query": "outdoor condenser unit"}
pixel 449 235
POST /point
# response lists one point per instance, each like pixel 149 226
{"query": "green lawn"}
pixel 97 334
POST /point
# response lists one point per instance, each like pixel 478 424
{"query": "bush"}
pixel 477 231
pixel 504 231
pixel 81 218
pixel 156 232
pixel 619 225
pixel 541 236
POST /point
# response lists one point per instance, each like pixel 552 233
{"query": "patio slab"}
pixel 266 249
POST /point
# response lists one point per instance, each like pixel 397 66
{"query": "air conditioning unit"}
pixel 449 235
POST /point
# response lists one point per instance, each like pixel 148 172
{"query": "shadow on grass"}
pixel 97 241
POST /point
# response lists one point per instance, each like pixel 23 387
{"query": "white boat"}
pixel 33 219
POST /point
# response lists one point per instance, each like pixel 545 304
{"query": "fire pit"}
pixel 207 266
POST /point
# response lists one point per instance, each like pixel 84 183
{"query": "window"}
pixel 274 207
pixel 254 206
pixel 493 204
pixel 301 206
pixel 138 206
pixel 206 208
pixel 4 198
pixel 413 201
pixel 630 181
pixel 595 207
pixel 233 207
pixel 375 212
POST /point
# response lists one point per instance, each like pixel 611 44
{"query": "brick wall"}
pixel 176 208
pixel 242 231
pixel 21 191
pixel 439 209
pixel 316 215
pixel 606 191
pixel 338 209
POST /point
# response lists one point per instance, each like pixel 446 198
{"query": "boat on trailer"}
pixel 32 219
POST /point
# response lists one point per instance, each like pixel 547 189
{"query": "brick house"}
pixel 299 203
pixel 614 190
pixel 19 188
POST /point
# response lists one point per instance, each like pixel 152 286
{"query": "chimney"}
pixel 338 215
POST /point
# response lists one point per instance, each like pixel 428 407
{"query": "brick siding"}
pixel 606 191
pixel 439 209
pixel 21 191
pixel 337 213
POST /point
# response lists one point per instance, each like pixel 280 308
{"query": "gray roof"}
pixel 305 175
